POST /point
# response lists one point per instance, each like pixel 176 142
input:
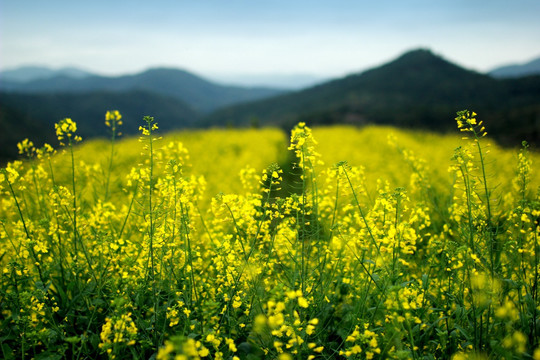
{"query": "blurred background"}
pixel 253 63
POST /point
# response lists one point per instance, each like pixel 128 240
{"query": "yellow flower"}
pixel 66 128
pixel 232 346
pixel 302 302
pixel 26 147
pixel 112 120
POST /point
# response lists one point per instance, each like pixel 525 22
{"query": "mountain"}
pixel 33 115
pixel 176 98
pixel 517 70
pixel 202 95
pixel 419 89
pixel 30 73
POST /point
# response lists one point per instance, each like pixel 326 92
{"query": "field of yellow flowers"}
pixel 240 244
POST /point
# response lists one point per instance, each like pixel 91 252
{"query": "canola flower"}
pixel 65 129
pixel 144 254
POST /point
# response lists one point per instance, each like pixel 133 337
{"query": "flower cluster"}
pixel 466 122
pixel 65 129
pixel 113 119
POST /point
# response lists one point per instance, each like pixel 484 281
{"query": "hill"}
pixel 30 73
pixel 418 89
pixel 517 70
pixel 202 95
pixel 33 115
pixel 29 109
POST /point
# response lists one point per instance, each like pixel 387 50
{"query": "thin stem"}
pixel 110 162
pixel 75 237
pixel 303 220
pixel 151 229
pixel 467 184
pixel 18 206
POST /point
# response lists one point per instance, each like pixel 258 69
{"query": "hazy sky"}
pixel 211 37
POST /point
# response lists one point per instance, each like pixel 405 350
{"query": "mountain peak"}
pixel 417 88
pixel 420 53
pixel 165 70
pixel 419 57
pixel 420 66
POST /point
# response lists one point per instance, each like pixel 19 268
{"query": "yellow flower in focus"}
pixel 66 128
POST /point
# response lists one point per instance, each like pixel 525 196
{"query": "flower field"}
pixel 335 243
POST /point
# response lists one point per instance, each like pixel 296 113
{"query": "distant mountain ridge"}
pixel 177 99
pixel 517 70
pixel 202 95
pixel 418 89
pixel 417 72
pixel 30 73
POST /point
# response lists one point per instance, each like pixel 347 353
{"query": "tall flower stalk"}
pixel 65 132
pixel 113 121
pixel 468 123
pixel 147 135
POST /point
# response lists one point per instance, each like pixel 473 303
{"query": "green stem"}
pixel 75 237
pixel 151 229
pixel 467 184
pixel 492 237
pixel 110 162
pixel 17 205
pixel 193 289
pixel 303 220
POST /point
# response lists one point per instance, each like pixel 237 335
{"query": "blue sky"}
pixel 240 37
